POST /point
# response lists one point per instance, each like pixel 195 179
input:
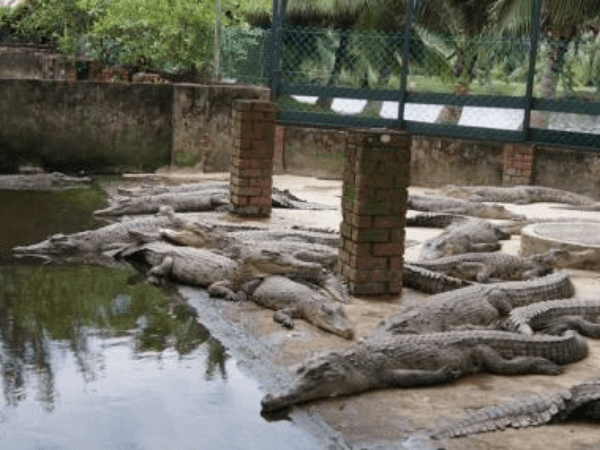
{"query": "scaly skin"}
pixel 556 316
pixel 104 239
pixel 474 306
pixel 184 201
pixel 482 267
pixel 40 181
pixel 420 360
pixel 474 235
pixel 581 400
pixel 292 300
pixel 441 204
pixel 516 194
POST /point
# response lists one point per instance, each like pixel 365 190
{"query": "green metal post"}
pixel 277 41
pixel 405 57
pixel 534 42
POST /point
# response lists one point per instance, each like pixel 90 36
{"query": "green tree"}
pixel 562 20
pixel 171 35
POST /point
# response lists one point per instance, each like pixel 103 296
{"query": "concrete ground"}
pixel 392 418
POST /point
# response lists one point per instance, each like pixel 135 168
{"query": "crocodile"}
pixel 466 236
pixel 517 194
pixel 556 316
pixel 185 201
pixel 193 197
pixel 582 401
pixel 315 301
pixel 425 359
pixel 483 267
pixel 105 239
pixel 441 204
pixel 428 281
pixel 41 181
pixel 295 300
pixel 481 305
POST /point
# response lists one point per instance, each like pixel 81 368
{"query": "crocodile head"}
pixel 495 211
pixel 323 376
pixel 330 316
pixel 58 244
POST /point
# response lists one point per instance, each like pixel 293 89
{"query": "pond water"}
pixel 91 358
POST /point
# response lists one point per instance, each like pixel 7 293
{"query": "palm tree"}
pixel 561 21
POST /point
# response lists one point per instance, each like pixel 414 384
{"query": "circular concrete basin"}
pixel 579 237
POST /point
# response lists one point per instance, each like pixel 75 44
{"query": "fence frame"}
pixel 527 102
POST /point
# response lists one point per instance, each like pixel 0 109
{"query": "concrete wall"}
pixel 111 127
pixel 572 170
pixel 202 121
pixel 30 62
pixel 439 161
pixel 434 162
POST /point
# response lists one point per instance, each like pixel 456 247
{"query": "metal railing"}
pixel 521 87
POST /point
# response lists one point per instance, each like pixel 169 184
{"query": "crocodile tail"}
pixel 534 411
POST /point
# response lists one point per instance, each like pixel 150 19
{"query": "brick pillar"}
pixel 376 176
pixel 251 165
pixel 517 165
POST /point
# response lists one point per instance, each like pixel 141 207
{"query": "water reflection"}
pixel 94 357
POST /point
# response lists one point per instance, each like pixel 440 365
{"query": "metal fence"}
pixel 449 81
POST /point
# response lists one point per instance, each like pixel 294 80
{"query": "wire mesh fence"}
pixel 457 75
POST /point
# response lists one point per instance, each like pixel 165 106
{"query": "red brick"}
pixel 395 262
pixel 387 249
pixel 346 230
pixel 367 288
pixel 343 256
pixel 358 248
pixel 246 191
pixel 392 195
pixel 357 220
pixel 387 221
pixel 370 235
pixel 397 235
pixel 245 173
pixel 368 262
pixel 238 200
pixel 251 163
pixel 260 201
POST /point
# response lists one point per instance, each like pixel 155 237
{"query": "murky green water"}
pixel 91 357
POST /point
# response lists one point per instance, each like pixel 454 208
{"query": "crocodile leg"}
pixel 285 317
pixel 161 270
pixel 223 289
pixel 579 324
pixel 493 362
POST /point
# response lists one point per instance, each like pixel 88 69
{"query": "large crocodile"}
pixel 293 300
pixel 317 303
pixel 41 181
pixel 516 194
pixel 582 400
pixel 481 305
pixel 184 201
pixel 108 238
pixel 441 204
pixel 426 359
pixel 195 197
pixel 483 267
pixel 556 316
pixel 466 236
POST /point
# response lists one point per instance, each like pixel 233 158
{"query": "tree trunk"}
pixel 558 49
pixel 340 57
